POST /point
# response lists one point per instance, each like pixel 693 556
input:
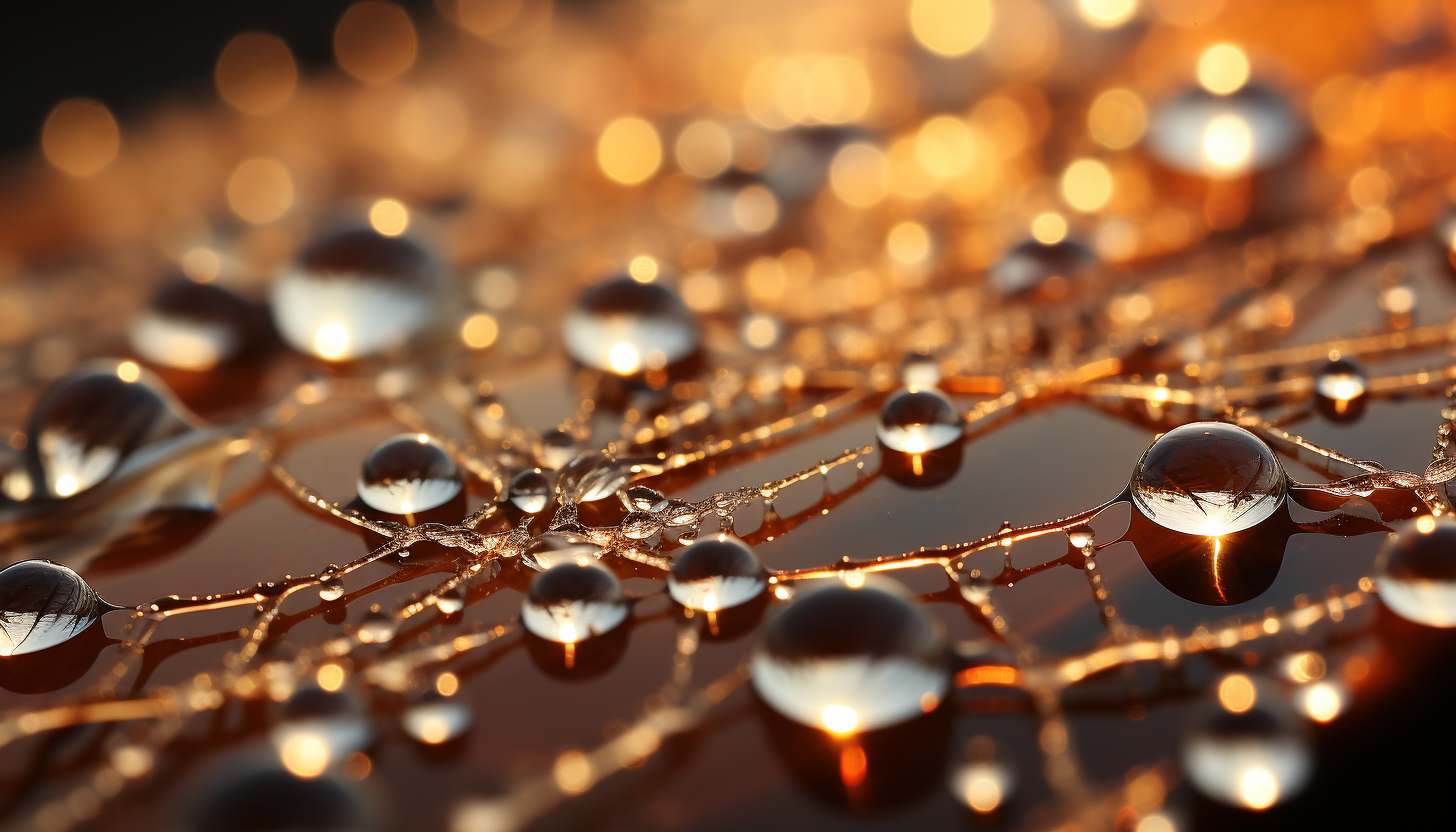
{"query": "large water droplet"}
pixel 530 490
pixel 194 326
pixel 436 719
pixel 718 573
pixel 1253 758
pixel 1224 135
pixel 553 548
pixel 572 602
pixel 644 498
pixel 86 423
pixel 1416 572
pixel 1032 265
pixel 1208 478
pixel 623 327
pixel 1339 389
pixel 407 474
pixel 591 477
pixel 918 421
pixel 43 604
pixel 850 660
pixel 356 294
pixel 334 720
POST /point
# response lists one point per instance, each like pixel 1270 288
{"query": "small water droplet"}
pixel 435 719
pixel 644 498
pixel 1416 572
pixel 1209 479
pixel 1202 133
pixel 918 421
pixel 1252 759
pixel 407 474
pixel 376 627
pixel 554 548
pixel 530 490
pixel 557 448
pixel 1033 265
pixel 622 326
pixel 194 326
pixel 849 660
pixel 982 785
pixel 332 588
pixel 357 293
pixel 43 604
pixel 489 416
pixel 717 573
pixel 920 370
pixel 451 601
pixel 1079 536
pixel 334 719
pixel 1339 388
pixel 572 602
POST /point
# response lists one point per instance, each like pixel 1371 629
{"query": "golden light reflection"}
pixel 66 485
pixel 128 371
pixel 703 149
pixel 982 792
pixel 80 137
pixel 624 359
pixel 853 766
pixel 908 242
pixel 760 332
pixel 389 217
pixel 629 151
pixel 1322 701
pixel 755 209
pixel 839 719
pixel 1228 145
pixel 945 146
pixel 1155 823
pixel 1258 789
pixel 1087 185
pixel 1107 14
pixel 1049 228
pixel 331 341
pixel 201 264
pixel 255 73
pixel 643 269
pixel 859 175
pixel 305 755
pixel 432 125
pixel 1236 693
pixel 479 331
pixel 950 27
pixel 1223 68
pixel 807 89
pixel 375 41
pixel 330 677
pixel 1425 524
pixel 260 190
pixel 1117 118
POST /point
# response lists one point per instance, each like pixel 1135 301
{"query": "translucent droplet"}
pixel 591 477
pixel 1416 572
pixel 86 423
pixel 332 588
pixel 530 490
pixel 920 371
pixel 624 327
pixel 376 627
pixel 356 294
pixel 1034 265
pixel 572 602
pixel 489 416
pixel 193 326
pixel 409 473
pixel 644 498
pixel 1339 389
pixel 848 660
pixel 1208 479
pixel 554 548
pixel 436 719
pixel 1224 135
pixel 983 786
pixel 1253 759
pixel 333 719
pixel 43 604
pixel 451 601
pixel 917 421
pixel 718 573
pixel 557 448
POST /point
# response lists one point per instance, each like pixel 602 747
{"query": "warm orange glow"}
pixel 260 190
pixel 629 151
pixel 479 331
pixel 1117 119
pixel 950 27
pixel 1425 524
pixel 330 677
pixel 1087 185
pixel 990 674
pixel 1049 228
pixel 1223 69
pixel 375 41
pixel 305 755
pixel 704 149
pixel 859 175
pixel 1236 693
pixel 389 217
pixel 255 73
pixel 80 137
pixel 908 243
pixel 128 371
pixel 1107 14
pixel 839 719
pixel 1258 789
pixel 448 684
pixel 853 766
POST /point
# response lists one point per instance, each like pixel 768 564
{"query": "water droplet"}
pixel 1224 135
pixel 850 660
pixel 407 474
pixel 572 602
pixel 920 371
pixel 557 448
pixel 530 490
pixel 555 548
pixel 917 421
pixel 332 588
pixel 591 477
pixel 639 525
pixel 334 720
pixel 86 423
pixel 1339 389
pixel 718 573
pixel 356 294
pixel 43 604
pixel 451 601
pixel 436 719
pixel 1209 479
pixel 194 326
pixel 1079 536
pixel 1252 759
pixel 376 627
pixel 982 785
pixel 489 416
pixel 644 498
pixel 1035 265
pixel 623 327
pixel 1416 572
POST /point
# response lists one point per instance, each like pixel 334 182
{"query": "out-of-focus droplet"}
pixel 980 781
pixel 408 474
pixel 356 294
pixel 1036 265
pixel 321 727
pixel 1339 389
pixel 1416 571
pixel 847 660
pixel 193 326
pixel 629 151
pixel 43 604
pixel 717 573
pixel 375 41
pixel 1253 759
pixel 530 490
pixel 624 327
pixel 253 798
pixel 918 421
pixel 451 601
pixel 950 27
pixel 86 423
pixel 260 190
pixel 436 719
pixel 1224 135
pixel 557 447
pixel 376 627
pixel 80 136
pixel 920 370
pixel 1208 479
pixel 572 602
pixel 554 548
pixel 255 73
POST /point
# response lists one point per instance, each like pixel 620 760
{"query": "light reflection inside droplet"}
pixel 1258 788
pixel 1228 144
pixel 331 341
pixel 839 719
